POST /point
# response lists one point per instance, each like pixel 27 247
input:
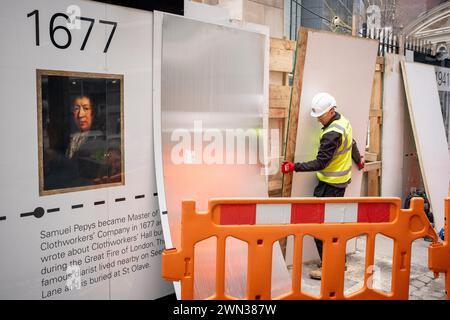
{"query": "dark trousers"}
pixel 326 190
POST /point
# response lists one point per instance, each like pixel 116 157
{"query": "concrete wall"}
pixel 265 12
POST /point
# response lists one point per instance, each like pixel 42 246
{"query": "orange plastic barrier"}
pixel 439 253
pixel 261 222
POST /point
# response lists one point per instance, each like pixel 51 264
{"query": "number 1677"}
pixel 68 42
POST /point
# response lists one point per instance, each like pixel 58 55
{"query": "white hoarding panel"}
pixel 79 212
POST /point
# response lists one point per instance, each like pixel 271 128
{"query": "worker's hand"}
pixel 287 167
pixel 361 163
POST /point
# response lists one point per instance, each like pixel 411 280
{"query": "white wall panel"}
pixel 130 55
pixel 429 134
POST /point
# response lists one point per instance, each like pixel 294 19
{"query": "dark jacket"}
pixel 329 143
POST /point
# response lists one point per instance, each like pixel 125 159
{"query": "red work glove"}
pixel 361 163
pixel 287 167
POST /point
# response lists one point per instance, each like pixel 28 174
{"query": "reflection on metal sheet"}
pixel 212 108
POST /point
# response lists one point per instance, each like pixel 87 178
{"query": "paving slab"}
pixel 423 286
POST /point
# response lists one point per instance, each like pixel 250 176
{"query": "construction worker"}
pixel 333 162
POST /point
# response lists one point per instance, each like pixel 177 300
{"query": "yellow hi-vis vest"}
pixel 339 170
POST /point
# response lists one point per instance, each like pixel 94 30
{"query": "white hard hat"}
pixel 321 104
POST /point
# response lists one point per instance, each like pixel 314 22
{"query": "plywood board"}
pixel 429 133
pixel 394 107
pixel 347 74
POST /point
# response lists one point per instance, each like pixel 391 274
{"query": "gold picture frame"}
pixel 40 73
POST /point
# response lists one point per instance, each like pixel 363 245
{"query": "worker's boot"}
pixel 317 273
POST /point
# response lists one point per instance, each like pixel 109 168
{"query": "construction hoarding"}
pixel 79 214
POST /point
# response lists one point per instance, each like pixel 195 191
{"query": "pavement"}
pixel 423 285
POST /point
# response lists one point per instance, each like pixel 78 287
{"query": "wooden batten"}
pixel 281 55
pixel 371 156
pixel 376 113
pixel 295 105
pixel 279 96
pixel 275 185
pixel 277 113
pixel 373 165
pixel 284 44
pixel 281 62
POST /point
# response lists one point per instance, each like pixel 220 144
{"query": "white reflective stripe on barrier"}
pixel 341 212
pixel 260 213
pixel 273 213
